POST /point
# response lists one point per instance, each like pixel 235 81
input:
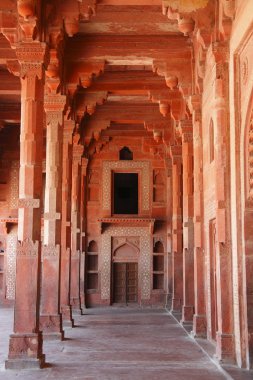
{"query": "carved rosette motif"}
pixel 250 161
pixel 108 166
pixel 144 267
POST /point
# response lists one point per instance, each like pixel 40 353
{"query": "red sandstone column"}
pixel 75 224
pixel 188 228
pixel 169 231
pixel 25 348
pixel 84 164
pixel 177 257
pixel 224 336
pixel 199 318
pixel 50 319
pixel 66 309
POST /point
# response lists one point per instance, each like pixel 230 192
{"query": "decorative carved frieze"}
pixel 29 203
pixel 32 57
pixel 51 251
pixel 27 248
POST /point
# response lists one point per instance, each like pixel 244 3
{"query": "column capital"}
pixel 68 129
pixel 77 153
pixel 54 106
pixel 176 153
pixel 32 56
pixel 84 163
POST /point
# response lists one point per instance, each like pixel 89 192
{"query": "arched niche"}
pixel 92 247
pixel 125 154
pixel 159 248
pixel 126 252
pixel 158 178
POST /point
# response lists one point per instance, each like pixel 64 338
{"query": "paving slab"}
pixel 117 343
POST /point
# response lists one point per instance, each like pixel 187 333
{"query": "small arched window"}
pixel 125 154
pixel 211 141
pixel 158 248
pixel 93 247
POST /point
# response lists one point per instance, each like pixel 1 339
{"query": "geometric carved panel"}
pixel 109 166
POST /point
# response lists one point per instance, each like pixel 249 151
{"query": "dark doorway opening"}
pixel 125 193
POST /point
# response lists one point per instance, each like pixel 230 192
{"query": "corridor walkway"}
pixel 117 343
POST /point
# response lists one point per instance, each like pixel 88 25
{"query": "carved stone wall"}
pixel 144 264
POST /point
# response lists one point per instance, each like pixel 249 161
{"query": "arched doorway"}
pixel 125 274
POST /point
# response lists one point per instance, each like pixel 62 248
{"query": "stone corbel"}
pixel 87 9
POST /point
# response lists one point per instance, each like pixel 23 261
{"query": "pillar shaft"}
pixel 50 319
pixel 75 224
pixel 224 336
pixel 188 228
pixel 25 349
pixel 177 258
pixel 84 164
pixel 66 309
pixel 199 318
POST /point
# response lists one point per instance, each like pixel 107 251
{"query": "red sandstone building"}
pixel 126 165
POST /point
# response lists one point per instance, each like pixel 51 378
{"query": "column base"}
pixel 176 305
pixel 25 351
pixel 225 348
pixel 66 312
pixel 18 364
pixel 187 314
pixel 199 326
pixel 51 327
pixel 76 305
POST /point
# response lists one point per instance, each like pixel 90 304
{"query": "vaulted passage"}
pixel 126 176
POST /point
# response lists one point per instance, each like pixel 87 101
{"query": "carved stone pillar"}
pixel 66 309
pixel 199 318
pixel 83 194
pixel 169 231
pixel 188 228
pixel 177 256
pixel 50 319
pixel 25 349
pixel 75 230
pixel 224 336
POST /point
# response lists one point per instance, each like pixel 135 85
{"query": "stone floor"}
pixel 120 343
